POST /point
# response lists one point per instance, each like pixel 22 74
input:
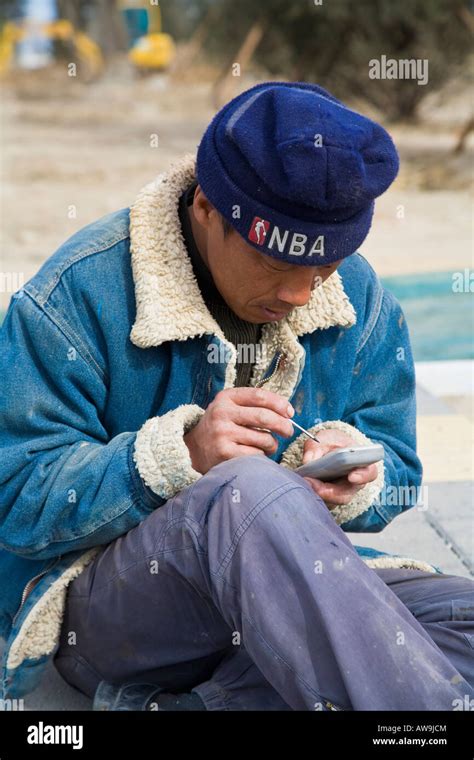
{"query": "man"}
pixel 155 538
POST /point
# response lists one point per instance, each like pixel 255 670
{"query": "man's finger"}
pixel 313 450
pixel 260 397
pixel 262 418
pixel 363 474
pixel 247 436
pixel 335 492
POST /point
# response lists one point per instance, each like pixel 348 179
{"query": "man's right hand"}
pixel 226 429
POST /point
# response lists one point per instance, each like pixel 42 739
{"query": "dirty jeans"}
pixel 243 589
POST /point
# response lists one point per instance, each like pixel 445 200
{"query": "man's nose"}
pixel 297 293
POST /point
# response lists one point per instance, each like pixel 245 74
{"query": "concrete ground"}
pixel 438 530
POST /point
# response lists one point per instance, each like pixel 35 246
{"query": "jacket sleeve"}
pixel 65 484
pixel 380 408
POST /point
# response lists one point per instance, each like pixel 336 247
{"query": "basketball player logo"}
pixel 258 230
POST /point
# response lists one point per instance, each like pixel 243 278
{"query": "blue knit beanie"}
pixel 295 172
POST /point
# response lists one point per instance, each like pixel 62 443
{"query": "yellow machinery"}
pixel 88 53
pixel 153 51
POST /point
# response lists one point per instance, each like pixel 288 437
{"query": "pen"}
pixel 304 431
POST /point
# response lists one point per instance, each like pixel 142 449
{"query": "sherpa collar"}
pixel 168 300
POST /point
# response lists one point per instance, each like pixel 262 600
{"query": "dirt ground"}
pixel 72 152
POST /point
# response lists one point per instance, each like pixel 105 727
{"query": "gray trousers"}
pixel 243 589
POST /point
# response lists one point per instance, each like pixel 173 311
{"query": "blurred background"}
pixel 100 96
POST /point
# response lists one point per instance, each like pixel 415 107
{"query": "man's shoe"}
pixel 142 696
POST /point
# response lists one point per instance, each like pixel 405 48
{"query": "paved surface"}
pixel 439 530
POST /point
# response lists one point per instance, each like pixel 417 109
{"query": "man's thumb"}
pixel 312 450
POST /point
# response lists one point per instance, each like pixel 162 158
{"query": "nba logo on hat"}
pixel 258 230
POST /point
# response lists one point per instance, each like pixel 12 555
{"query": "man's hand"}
pixel 342 490
pixel 226 429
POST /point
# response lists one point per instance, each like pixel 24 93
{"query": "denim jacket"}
pixel 105 364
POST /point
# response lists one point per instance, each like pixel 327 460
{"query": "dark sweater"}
pixel 236 330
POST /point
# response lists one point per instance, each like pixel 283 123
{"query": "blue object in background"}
pixel 136 22
pixel 440 320
pixel 36 50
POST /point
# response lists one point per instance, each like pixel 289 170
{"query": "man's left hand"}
pixel 342 490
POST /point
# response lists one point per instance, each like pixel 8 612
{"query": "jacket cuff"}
pixel 161 455
pixel 364 498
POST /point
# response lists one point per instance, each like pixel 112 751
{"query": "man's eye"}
pixel 278 269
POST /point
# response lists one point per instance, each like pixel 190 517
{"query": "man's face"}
pixel 257 287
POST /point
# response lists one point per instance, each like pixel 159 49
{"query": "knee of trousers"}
pixel 250 509
pixel 237 487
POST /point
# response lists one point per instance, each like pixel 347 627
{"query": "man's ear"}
pixel 202 208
